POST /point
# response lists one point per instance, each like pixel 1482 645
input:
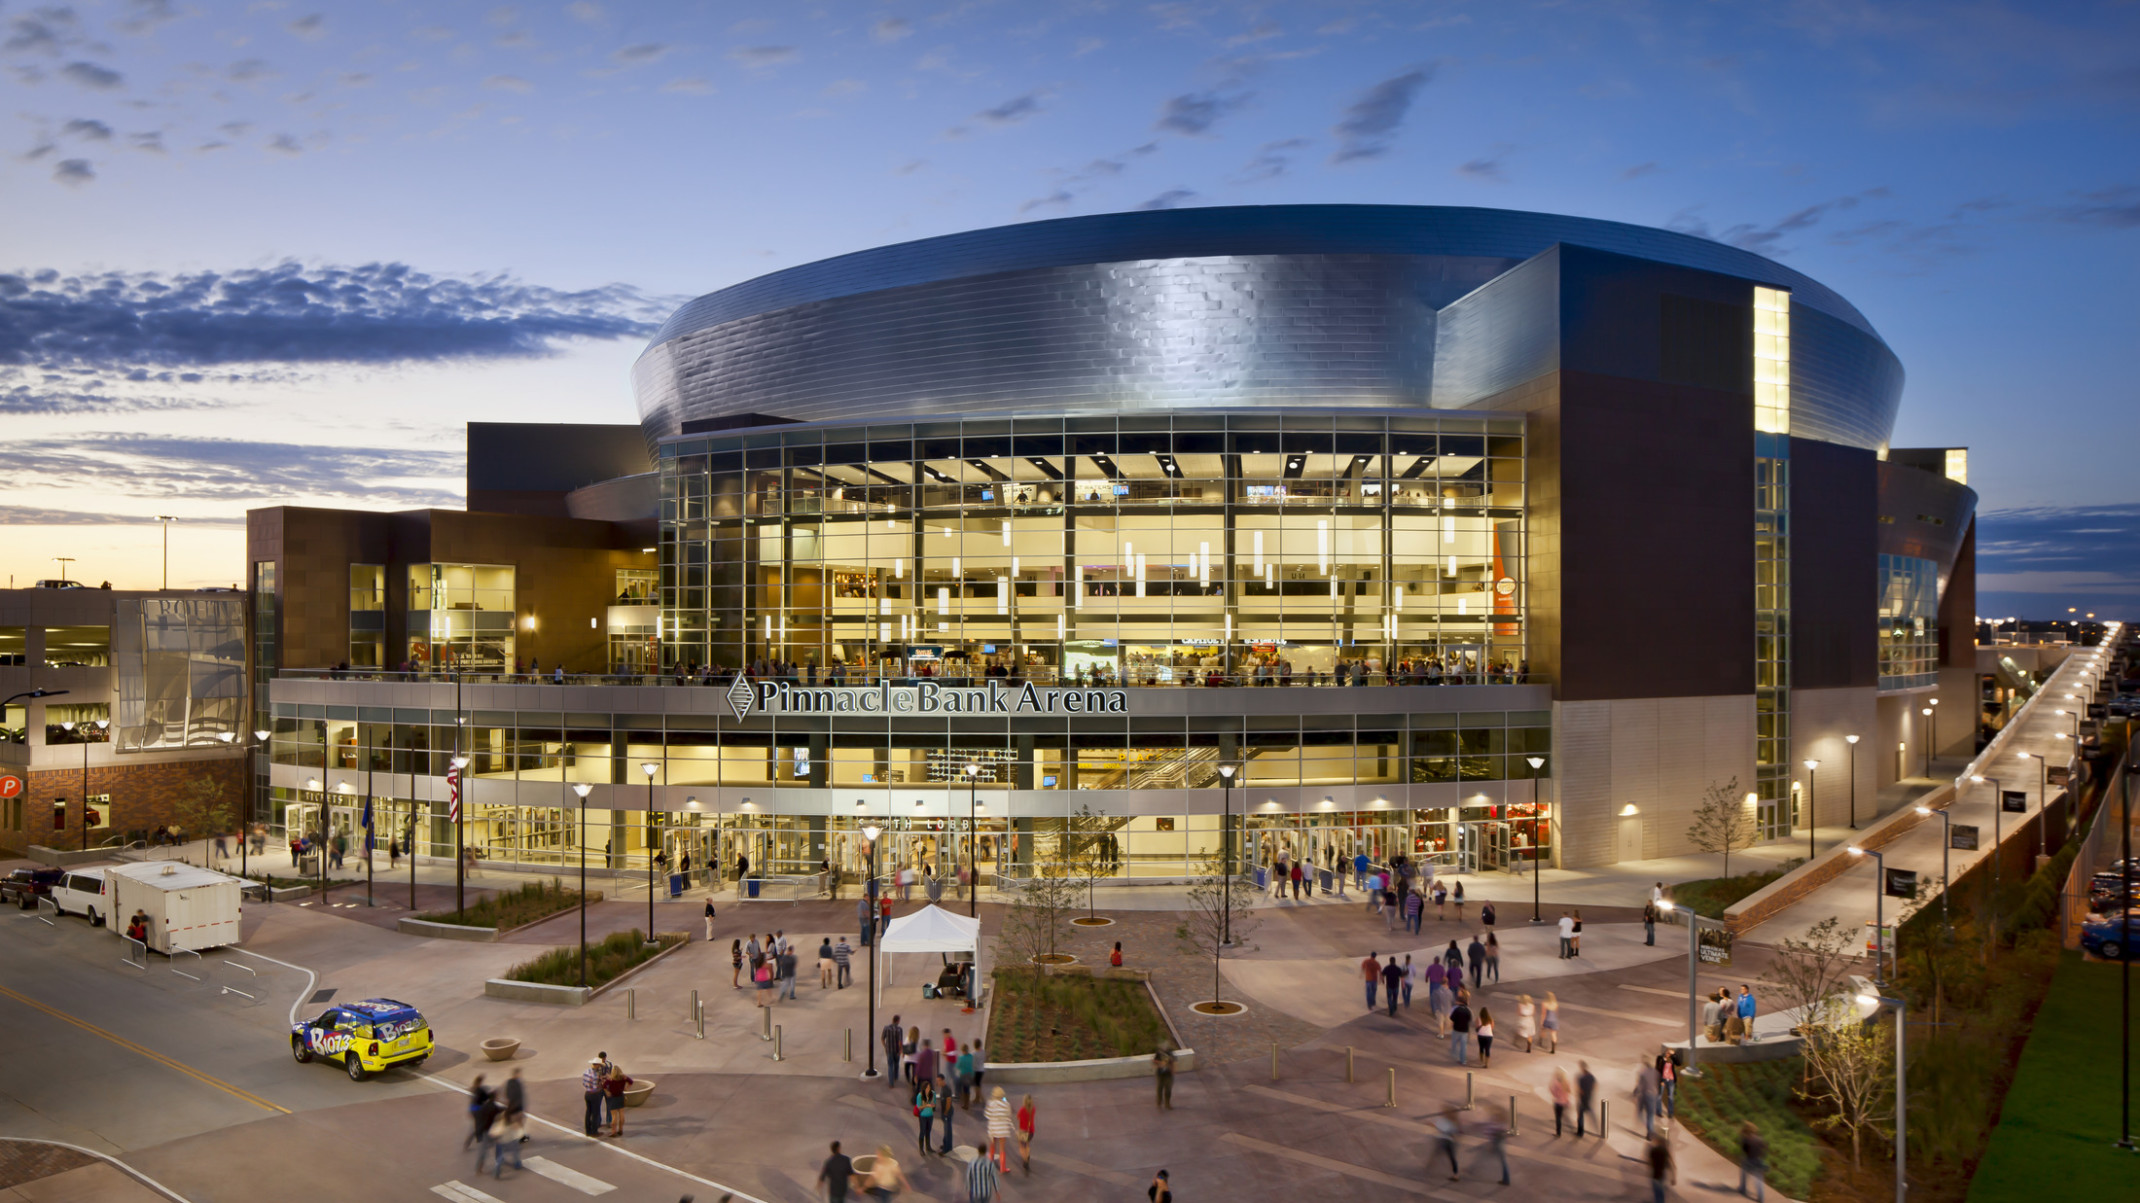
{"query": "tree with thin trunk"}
pixel 1722 822
pixel 1850 1070
pixel 1214 911
pixel 1085 859
pixel 1807 971
pixel 201 808
pixel 1033 929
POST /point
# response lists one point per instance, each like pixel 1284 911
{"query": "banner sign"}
pixel 1901 883
pixel 2014 801
pixel 10 786
pixel 1964 838
pixel 926 697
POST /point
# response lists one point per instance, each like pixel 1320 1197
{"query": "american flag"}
pixel 453 794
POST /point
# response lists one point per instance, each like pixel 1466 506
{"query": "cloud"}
pixel 247 70
pixel 1484 170
pixel 74 172
pixel 90 75
pixel 285 144
pixel 152 141
pixel 145 16
pixel 31 515
pixel 891 29
pixel 311 28
pixel 508 83
pixel 1261 33
pixel 1086 46
pixel 2037 560
pixel 87 130
pixel 1012 111
pixel 1639 170
pixel 642 52
pixel 234 470
pixel 42 31
pixel 582 10
pixel 1370 122
pixel 1171 198
pixel 689 85
pixel 761 57
pixel 1192 114
pixel 843 87
pixel 1061 196
pixel 910 167
pixel 1273 159
pixel 2111 208
pixel 432 33
pixel 297 313
pixel 1768 239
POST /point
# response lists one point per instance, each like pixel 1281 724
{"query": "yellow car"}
pixel 365 1037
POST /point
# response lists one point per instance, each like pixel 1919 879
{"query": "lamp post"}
pixel 649 768
pixel 1946 843
pixel 1879 907
pixel 369 868
pixel 1933 712
pixel 313 785
pixel 1694 964
pixel 1226 772
pixel 457 783
pixel 2125 962
pixel 973 837
pixel 1852 740
pixel 82 729
pixel 1902 1085
pixel 1812 804
pixel 582 789
pixel 2043 794
pixel 165 520
pixel 1536 763
pixel 1927 712
pixel 870 832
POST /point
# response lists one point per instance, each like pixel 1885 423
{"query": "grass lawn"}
pixel 514 908
pixel 1714 1105
pixel 2061 1114
pixel 1710 895
pixel 1070 1017
pixel 606 959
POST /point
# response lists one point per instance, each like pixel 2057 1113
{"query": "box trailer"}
pixel 188 907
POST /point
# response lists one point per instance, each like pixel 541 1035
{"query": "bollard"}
pixel 1392 1101
pixel 1470 1099
pixel 1274 1060
pixel 693 1012
pixel 850 1054
pixel 1348 1063
pixel 631 1002
pixel 776 1044
pixel 765 1024
pixel 700 1017
pixel 1512 1116
pixel 1604 1121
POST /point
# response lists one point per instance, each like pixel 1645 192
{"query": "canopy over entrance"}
pixel 932 929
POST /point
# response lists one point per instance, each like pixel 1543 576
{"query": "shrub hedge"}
pixel 530 903
pixel 606 959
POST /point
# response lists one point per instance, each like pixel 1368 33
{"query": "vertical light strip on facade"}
pixel 1772 563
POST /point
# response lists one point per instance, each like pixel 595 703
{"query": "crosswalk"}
pixel 587 1184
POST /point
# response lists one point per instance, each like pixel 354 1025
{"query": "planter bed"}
pixel 1037 1018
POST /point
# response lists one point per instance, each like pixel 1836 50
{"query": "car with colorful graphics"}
pixel 366 1037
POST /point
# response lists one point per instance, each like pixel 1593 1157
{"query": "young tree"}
pixel 1851 1070
pixel 1085 854
pixel 1722 822
pixel 1809 971
pixel 201 809
pixel 1216 912
pixel 1032 932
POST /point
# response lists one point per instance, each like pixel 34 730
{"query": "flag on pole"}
pixel 453 794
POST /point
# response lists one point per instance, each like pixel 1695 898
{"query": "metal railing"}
pixel 129 947
pixel 780 888
pixel 958 677
pixel 186 952
pixel 245 969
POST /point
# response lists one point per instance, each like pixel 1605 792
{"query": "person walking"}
pixel 762 980
pixel 1414 911
pixel 1575 932
pixel 862 917
pixel 787 970
pixel 1359 870
pixel 1477 953
pixel 516 1099
pixel 507 1135
pixel 824 964
pixel 962 1075
pixel 1753 1160
pixel 1551 1023
pixel 1668 1082
pixel 1646 1094
pixel 980 1064
pixel 925 1112
pixel 835 1174
pixel 735 960
pixel 1586 1089
pixel 1527 1023
pixel 1160 1191
pixel 1649 923
pixel 946 1110
pixel 1561 1093
pixel 1392 976
pixel 487 1129
pixel 885 1177
pixel 842 957
pixel 909 1051
pixel 1460 1031
pixel 890 1038
pixel 925 1062
pixel 1495 1130
pixel 1025 1134
pixel 1454 958
pixel 1298 878
pixel 1487 915
pixel 1746 1012
pixel 479 1123
pixel 1456 895
pixel 1486 1038
pixel 1410 977
pixel 1002 1127
pixel 1441 903
pixel 1163 1078
pixel 1567 936
pixel 1370 974
pixel 1662 1170
pixel 1493 958
pixel 981 1180
pixel 1445 1140
pixel 1713 1017
pixel 591 1090
pixel 709 916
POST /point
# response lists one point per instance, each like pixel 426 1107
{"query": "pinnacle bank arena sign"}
pixel 924 697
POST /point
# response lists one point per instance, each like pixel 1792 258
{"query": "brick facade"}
pixel 143 797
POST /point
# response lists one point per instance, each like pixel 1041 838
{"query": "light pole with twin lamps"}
pixel 973 838
pixel 1880 942
pixel 2043 795
pixel 870 832
pixel 1902 1083
pixel 82 729
pixel 1852 740
pixel 649 768
pixel 1812 805
pixel 1946 843
pixel 1536 763
pixel 582 789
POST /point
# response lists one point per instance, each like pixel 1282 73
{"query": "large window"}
pixel 1909 622
pixel 181 672
pixel 367 615
pixel 1152 550
pixel 461 617
pixel 77 647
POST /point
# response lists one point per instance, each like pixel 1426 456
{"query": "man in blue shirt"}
pixel 1746 1010
pixel 1359 870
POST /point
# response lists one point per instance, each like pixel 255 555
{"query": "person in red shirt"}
pixel 1371 974
pixel 1115 958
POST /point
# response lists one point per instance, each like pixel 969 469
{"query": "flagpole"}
pixel 368 867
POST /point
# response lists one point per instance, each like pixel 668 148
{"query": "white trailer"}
pixel 188 907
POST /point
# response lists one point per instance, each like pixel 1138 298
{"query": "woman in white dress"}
pixel 1002 1127
pixel 1527 1022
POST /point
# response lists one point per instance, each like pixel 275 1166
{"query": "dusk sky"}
pixel 268 253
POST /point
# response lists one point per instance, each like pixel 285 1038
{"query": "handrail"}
pixel 44 900
pixel 1135 677
pixel 176 953
pixel 129 947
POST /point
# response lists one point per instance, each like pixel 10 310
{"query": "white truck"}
pixel 187 907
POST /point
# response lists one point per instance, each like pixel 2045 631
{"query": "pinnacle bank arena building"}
pixel 1466 534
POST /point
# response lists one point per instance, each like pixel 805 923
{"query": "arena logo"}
pixel 926 697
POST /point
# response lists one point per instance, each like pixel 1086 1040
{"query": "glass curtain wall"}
pixel 461 617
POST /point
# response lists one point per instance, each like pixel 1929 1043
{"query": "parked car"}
pixel 24 887
pixel 2111 937
pixel 85 892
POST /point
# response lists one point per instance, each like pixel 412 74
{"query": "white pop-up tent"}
pixel 930 929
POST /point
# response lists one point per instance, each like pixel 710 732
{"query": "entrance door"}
pixel 1466 658
pixel 1627 844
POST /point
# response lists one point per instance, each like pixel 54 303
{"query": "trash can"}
pixel 750 888
pixel 676 885
pixel 1329 883
pixel 1263 878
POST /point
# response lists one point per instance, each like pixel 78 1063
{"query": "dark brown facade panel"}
pixel 1835 561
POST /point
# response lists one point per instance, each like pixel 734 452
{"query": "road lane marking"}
pixel 583 1183
pixel 1335 1166
pixel 1376 1115
pixel 108 1159
pixel 237 1092
pixel 461 1192
pixel 1589 1010
pixel 1682 995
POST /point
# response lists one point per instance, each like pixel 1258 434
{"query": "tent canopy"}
pixel 932 929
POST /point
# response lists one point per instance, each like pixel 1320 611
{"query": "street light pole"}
pixel 165 520
pixel 1929 728
pixel 1812 804
pixel 369 868
pixel 973 839
pixel 1946 843
pixel 1226 772
pixel 1902 1088
pixel 870 832
pixel 1536 763
pixel 1881 947
pixel 1852 740
pixel 459 785
pixel 2125 962
pixel 582 789
pixel 649 768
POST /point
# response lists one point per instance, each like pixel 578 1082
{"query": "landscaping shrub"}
pixel 1071 1017
pixel 606 959
pixel 514 908
pixel 1710 895
pixel 1714 1105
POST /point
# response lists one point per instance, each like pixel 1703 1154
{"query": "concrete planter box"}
pixel 641 967
pixel 535 992
pixel 64 858
pixel 445 931
pixel 291 893
pixel 1098 1070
